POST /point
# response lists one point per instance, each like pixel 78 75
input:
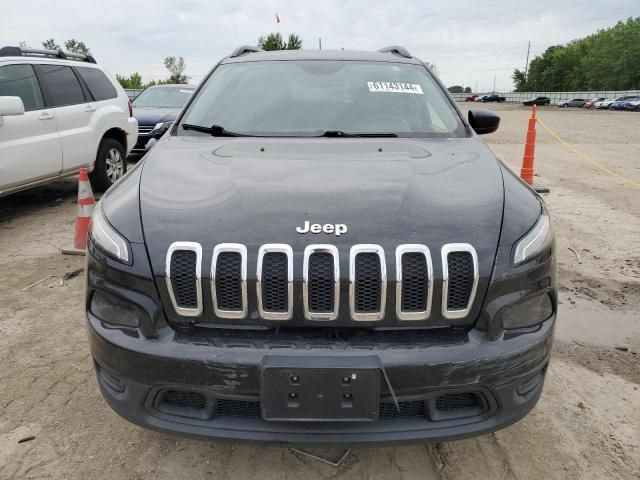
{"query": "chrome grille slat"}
pixel 361 289
pixel 418 282
pixel 275 283
pixel 229 280
pixel 178 281
pixel 321 282
pixel 145 129
pixel 458 284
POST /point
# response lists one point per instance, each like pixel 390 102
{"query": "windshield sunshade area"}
pixel 313 98
pixel 163 97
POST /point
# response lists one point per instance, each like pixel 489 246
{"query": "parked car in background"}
pixel 537 101
pixel 592 101
pixel 604 104
pixel 155 109
pixel 471 98
pixel 574 102
pixel 621 104
pixel 633 105
pixel 59 112
pixel 493 98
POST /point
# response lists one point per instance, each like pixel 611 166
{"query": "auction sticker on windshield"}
pixel 395 87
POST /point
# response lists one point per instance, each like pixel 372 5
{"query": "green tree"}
pixel 519 80
pixel 456 89
pixel 76 46
pixel 50 44
pixel 294 42
pixel 23 44
pixel 274 41
pixel 606 60
pixel 132 81
pixel 176 67
pixel 467 89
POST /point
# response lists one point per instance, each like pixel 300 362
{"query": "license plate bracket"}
pixel 320 389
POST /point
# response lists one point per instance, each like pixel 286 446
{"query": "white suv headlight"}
pixel 106 238
pixel 535 241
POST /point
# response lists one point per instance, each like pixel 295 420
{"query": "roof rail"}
pixel 245 49
pixel 41 52
pixel 396 50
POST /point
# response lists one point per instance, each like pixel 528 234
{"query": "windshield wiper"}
pixel 213 130
pixel 340 133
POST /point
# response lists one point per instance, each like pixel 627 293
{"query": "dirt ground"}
pixel 586 426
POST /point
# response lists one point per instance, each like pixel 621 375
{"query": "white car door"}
pixel 30 147
pixel 75 113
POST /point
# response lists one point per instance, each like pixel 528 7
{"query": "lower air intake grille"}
pixel 461 278
pixel 457 401
pixel 407 410
pixel 414 282
pixel 184 399
pixel 321 283
pixel 229 281
pixel 275 282
pixel 183 278
pixel 237 408
pixel 368 283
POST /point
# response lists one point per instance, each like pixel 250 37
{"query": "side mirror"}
pixel 484 121
pixel 11 106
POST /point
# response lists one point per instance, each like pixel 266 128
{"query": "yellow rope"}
pixel 586 157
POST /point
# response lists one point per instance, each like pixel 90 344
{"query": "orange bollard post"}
pixel 86 202
pixel 526 173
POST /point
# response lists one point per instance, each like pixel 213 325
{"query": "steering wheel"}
pixel 384 122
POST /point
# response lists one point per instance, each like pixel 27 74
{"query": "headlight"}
pixel 106 238
pixel 162 127
pixel 534 242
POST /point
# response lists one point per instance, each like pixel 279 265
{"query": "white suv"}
pixel 60 112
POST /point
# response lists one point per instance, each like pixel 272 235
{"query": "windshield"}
pixel 163 97
pixel 309 98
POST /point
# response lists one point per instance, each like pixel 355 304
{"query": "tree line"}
pixel 606 60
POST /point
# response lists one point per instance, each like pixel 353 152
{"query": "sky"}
pixel 470 42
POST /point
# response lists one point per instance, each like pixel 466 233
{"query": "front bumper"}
pixel 508 373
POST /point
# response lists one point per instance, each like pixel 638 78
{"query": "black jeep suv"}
pixel 322 251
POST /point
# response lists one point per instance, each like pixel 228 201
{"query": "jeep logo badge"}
pixel 338 229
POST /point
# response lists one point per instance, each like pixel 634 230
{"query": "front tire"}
pixel 111 165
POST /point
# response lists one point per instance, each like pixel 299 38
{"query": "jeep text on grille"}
pixel 340 259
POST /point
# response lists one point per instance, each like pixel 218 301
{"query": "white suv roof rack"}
pixel 41 52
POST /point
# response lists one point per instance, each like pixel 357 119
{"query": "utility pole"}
pixel 320 43
pixel 476 90
pixel 526 66
pixel 494 84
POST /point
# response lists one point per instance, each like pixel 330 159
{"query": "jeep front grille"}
pixel 183 277
pixel 460 279
pixel 367 282
pixel 414 289
pixel 321 288
pixel 414 284
pixel 229 280
pixel 275 282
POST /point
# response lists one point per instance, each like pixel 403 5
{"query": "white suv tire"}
pixel 110 166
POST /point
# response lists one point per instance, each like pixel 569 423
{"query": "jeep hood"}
pixel 257 191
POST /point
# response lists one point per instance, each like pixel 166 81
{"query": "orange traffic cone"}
pixel 526 173
pixel 86 202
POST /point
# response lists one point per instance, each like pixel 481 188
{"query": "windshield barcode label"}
pixel 395 87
